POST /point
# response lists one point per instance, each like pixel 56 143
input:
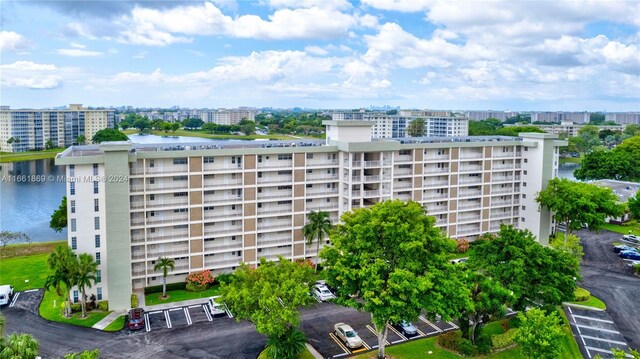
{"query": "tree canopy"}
pixel 634 205
pixel 622 163
pixel 390 260
pixel 416 128
pixel 109 134
pixel 59 217
pixel 540 334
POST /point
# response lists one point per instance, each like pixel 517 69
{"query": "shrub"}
pixel 306 262
pixel 134 301
pixel 449 340
pixel 288 346
pixel 637 268
pixel 103 305
pixel 224 278
pixel 170 286
pixel 483 344
pixel 505 324
pixel 199 281
pixel 76 307
pixel 465 347
pixel 462 246
pixel 499 341
pixel 581 295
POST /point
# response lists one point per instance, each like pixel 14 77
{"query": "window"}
pixel 97 240
pixel 208 159
pixel 152 197
pixel 99 293
pixel 73 206
pixel 75 296
pixel 74 243
pixel 96 205
pixel 179 161
pixel 98 276
pixel 525 172
pixel 524 208
pixel 526 160
pixel 522 219
pixel 98 258
pixel 95 187
pixel 285 157
pixel 309 156
pixel 524 195
pixel 95 169
pixel 72 170
pixel 524 184
pixel 73 224
pixel 179 178
pixel 180 194
pixel 72 188
pixel 151 164
pixel 404 152
pixel 96 223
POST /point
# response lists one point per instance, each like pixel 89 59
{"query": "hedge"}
pixel 581 295
pixel 134 301
pixel 103 305
pixel 499 341
pixel 170 286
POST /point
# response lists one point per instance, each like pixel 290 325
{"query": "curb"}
pixel 582 307
pixel 313 351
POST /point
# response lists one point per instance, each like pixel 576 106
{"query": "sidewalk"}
pixel 148 308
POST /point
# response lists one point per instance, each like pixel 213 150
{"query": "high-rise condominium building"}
pixel 27 129
pixel 214 206
pixel 228 116
pixel 394 126
pixel 623 118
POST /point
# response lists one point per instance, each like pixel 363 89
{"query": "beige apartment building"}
pixel 214 206
pixel 27 129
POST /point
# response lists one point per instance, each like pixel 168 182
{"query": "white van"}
pixel 6 293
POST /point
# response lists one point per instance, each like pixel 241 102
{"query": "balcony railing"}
pixel 153 237
pixel 331 206
pixel 401 185
pixel 467 231
pixel 221 214
pixel 275 179
pixel 329 192
pixel 156 204
pixel 403 171
pixel 501 190
pixel 167 169
pixel 225 262
pixel 403 158
pixel 322 163
pixel 274 225
pixel 273 210
pixel 469 205
pixel 471 155
pixel 470 193
pixel 223 247
pixel 223 183
pixel 436 157
pixel 468 218
pixel 470 180
pixel 323 177
pixel 222 230
pixel 275 194
pixel 436 169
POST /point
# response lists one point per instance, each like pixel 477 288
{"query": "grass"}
pixel 116 325
pixel 458 255
pixel 304 355
pixel 16 270
pixel 180 295
pixel 17 250
pixel 594 302
pixel 570 159
pixel 570 349
pixel 635 228
pixel 29 155
pixel 50 309
pixel 203 134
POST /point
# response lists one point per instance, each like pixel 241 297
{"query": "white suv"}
pixel 323 293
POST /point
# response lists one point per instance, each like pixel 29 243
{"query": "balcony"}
pixel 165 186
pixel 500 166
pixel 166 236
pixel 319 163
pixel 436 209
pixel 164 219
pixel 136 204
pixel 321 177
pixel 275 164
pixel 221 230
pixel 432 183
pixel 468 230
pixel 470 180
pixel 501 190
pixel 323 207
pixel 222 247
pixel 275 179
pixel 221 165
pixel 476 168
pixel 435 196
pixel 436 169
pixel 274 194
pixel 324 192
pixel 156 204
pixel 502 179
pixel 441 222
pixel 468 219
pixel 223 262
pixel 275 209
pixel 157 254
pixel 476 193
pixel 375 178
pixel 403 197
pixel 167 169
pixel 444 157
pixel 402 185
pixel 471 155
pixel 403 158
pixel 215 214
pixel 221 198
pixel 508 154
pixel 472 205
pixel 507 214
pixel 277 241
pixel 269 224
pixel 403 171
pixel 222 182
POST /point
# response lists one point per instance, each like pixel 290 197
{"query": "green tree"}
pixel 416 128
pixel 390 260
pixel 63 264
pixel 209 127
pixel 487 127
pixel 488 301
pixel 19 346
pixel 192 123
pixel 589 138
pixel 109 134
pixel 166 127
pixel 248 127
pixel 86 271
pixel 631 130
pixel 124 125
pixel 157 124
pixel 290 345
pixel 634 205
pixel 571 245
pixel 175 127
pixel 537 276
pixel 142 124
pixel 317 227
pixel 596 118
pixel 270 297
pixel 58 220
pixel 81 140
pixel 540 335
pixel 49 144
pixel 575 203
pixel 165 264
pixel 87 354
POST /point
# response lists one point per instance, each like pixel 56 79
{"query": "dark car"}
pixel 136 319
pixel 406 328
pixel 622 248
pixel 629 255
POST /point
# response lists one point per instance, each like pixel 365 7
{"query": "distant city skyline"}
pixel 328 54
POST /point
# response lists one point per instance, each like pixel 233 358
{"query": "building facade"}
pixel 623 118
pixel 27 129
pixel 394 126
pixel 216 206
pixel 576 117
pixel 571 129
pixel 228 116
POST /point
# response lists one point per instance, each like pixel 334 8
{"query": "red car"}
pixel 136 319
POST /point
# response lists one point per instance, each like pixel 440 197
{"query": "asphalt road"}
pixel 609 278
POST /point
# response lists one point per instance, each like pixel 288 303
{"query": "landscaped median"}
pixel 584 298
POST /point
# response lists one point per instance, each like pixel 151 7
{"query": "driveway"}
pixel 608 277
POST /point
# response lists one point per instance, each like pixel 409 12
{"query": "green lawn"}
pixel 570 349
pixel 116 325
pixel 18 250
pixel 304 355
pixel 180 295
pixel 592 302
pixel 570 159
pixel 54 313
pixel 635 229
pixel 29 155
pixel 16 270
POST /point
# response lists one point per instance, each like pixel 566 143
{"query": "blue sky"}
pixel 501 55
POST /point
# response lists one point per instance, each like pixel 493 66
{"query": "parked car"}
pixel 6 293
pixel 347 335
pixel 630 255
pixel 458 260
pixel 322 292
pixel 136 319
pixel 406 328
pixel 632 263
pixel 215 308
pixel 621 248
pixel 631 238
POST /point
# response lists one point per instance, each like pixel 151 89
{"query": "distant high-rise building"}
pixel 228 116
pixel 483 115
pixel 575 117
pixel 623 118
pixel 27 129
pixel 436 123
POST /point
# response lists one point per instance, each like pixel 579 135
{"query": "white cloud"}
pixel 12 41
pixel 79 53
pixel 316 50
pixel 399 5
pixel 140 55
pixel 196 52
pixel 332 4
pixel 31 75
pixel 75 45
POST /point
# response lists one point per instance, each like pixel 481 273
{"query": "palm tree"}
pixel 164 263
pixel 317 227
pixel 21 345
pixel 85 274
pixel 63 262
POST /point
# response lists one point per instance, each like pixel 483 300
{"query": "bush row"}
pixel 102 305
pixel 581 295
pixel 500 341
pixel 170 286
pixel 134 301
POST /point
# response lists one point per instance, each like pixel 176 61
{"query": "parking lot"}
pixel 595 331
pixel 181 317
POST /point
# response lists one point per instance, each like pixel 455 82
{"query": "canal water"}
pixel 26 206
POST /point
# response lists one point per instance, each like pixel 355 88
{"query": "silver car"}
pixel 347 335
pixel 322 292
pixel 406 328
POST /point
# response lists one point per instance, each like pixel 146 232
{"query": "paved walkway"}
pixel 109 319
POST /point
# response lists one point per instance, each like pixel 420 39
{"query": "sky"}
pixel 427 54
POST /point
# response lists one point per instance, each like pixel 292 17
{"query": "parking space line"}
pixel 600 329
pixel 30 290
pixel 397 332
pixel 603 340
pixel 174 309
pixel 421 334
pixel 340 355
pixel 365 345
pixel 453 325
pixel 156 312
pixel 374 333
pixel 186 314
pixel 206 311
pixel 432 325
pixel 335 339
pixel 228 311
pixel 590 318
pixel 168 319
pixel 598 350
pixel 15 298
pixel 196 306
pixel 147 325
